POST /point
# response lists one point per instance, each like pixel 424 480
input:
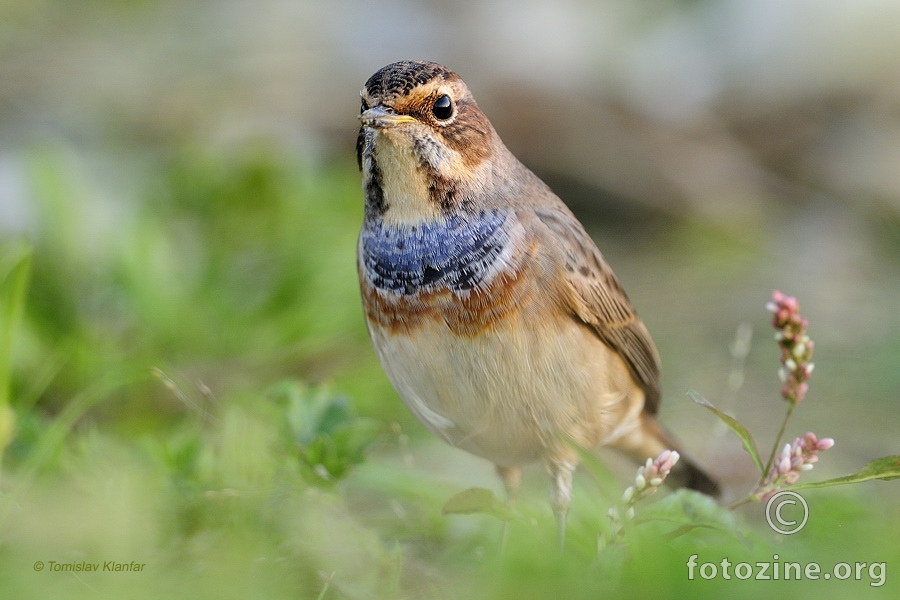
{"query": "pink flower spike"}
pixel 662 461
pixel 784 466
pixel 650 476
pixel 796 347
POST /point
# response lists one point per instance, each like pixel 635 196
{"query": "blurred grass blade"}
pixel 53 438
pixel 606 479
pixel 885 468
pixel 735 426
pixel 15 270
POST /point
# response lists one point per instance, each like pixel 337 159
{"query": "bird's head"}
pixel 424 146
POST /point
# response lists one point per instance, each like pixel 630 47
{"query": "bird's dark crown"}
pixel 399 78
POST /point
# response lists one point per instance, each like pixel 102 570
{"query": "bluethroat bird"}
pixel 492 311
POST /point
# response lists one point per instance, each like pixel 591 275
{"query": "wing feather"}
pixel 599 301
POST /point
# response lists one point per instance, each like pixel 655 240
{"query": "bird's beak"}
pixel 381 117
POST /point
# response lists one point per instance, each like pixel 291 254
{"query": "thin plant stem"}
pixel 750 498
pixel 787 417
pixel 738 503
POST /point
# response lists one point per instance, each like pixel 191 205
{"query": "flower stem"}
pixel 787 417
pixel 738 503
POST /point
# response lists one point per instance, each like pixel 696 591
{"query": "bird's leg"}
pixel 512 479
pixel 561 471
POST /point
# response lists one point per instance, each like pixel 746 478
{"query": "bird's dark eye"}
pixel 443 107
pixel 363 107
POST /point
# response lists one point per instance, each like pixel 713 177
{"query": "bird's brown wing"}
pixel 599 301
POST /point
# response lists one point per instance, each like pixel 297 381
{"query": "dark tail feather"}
pixel 650 439
pixel 687 474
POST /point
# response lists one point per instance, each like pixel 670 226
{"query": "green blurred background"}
pixel 185 375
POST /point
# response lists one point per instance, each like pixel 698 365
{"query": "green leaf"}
pixel 885 468
pixel 689 509
pixel 478 500
pixel 735 426
pixel 330 437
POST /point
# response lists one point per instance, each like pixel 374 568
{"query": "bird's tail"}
pixel 687 474
pixel 650 439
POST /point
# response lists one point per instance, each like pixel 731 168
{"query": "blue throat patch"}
pixel 455 252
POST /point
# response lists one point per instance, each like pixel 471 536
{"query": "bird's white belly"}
pixel 511 393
